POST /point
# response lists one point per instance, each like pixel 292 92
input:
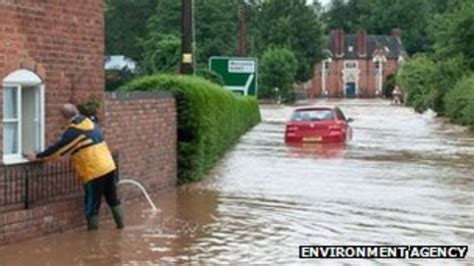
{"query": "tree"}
pixel 125 24
pixel 453 33
pixel 216 29
pixel 161 54
pixel 278 70
pixel 216 26
pixel 417 81
pixel 381 16
pixel 288 23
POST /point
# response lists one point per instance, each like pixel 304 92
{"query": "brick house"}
pixel 52 52
pixel 357 64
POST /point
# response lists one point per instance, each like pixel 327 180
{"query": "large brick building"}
pixel 357 64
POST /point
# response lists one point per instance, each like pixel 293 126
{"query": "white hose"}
pixel 133 182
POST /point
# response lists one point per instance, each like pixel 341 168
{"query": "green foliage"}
pixel 114 79
pixel 161 54
pixel 453 32
pixel 125 24
pixel 278 70
pixel 288 23
pixel 210 120
pixel 91 106
pixel 217 27
pixel 210 76
pixel 448 72
pixel 417 81
pixel 460 102
pixel 426 82
pixel 389 86
pixel 381 16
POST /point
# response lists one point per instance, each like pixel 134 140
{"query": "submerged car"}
pixel 318 125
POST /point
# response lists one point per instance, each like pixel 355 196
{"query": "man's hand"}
pixel 31 156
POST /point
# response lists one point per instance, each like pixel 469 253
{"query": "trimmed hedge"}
pixel 210 119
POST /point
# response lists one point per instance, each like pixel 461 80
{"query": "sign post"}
pixel 239 74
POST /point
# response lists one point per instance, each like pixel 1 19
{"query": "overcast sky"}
pixel 323 2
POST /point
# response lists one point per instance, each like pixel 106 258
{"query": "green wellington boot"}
pixel 93 223
pixel 117 213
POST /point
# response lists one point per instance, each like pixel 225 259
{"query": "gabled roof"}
pixel 391 45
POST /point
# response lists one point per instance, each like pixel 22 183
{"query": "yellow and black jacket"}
pixel 90 155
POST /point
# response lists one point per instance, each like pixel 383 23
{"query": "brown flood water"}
pixel 404 179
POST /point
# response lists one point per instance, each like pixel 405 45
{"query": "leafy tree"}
pixel 453 33
pixel 381 16
pixel 460 102
pixel 417 81
pixel 278 70
pixel 161 54
pixel 125 24
pixel 217 25
pixel 342 14
pixel 288 23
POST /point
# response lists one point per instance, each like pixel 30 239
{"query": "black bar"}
pixel 26 172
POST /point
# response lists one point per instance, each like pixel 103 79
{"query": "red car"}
pixel 318 125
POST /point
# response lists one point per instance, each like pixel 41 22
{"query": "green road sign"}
pixel 239 74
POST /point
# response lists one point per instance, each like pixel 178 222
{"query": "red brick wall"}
pixel 142 128
pixel 335 84
pixel 62 41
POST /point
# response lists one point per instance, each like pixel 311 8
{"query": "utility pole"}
pixel 242 30
pixel 187 57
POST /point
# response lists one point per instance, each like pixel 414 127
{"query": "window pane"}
pixel 29 119
pixel 10 102
pixel 10 140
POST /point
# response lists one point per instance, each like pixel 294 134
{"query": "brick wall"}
pixel 142 128
pixel 62 41
pixel 367 82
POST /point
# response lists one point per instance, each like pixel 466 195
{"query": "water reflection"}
pixel 405 178
pixel 316 150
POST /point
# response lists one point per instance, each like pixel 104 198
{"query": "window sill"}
pixel 12 160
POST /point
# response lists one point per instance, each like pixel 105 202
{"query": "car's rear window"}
pixel 313 115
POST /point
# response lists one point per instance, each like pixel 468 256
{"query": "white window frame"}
pixel 18 80
pixel 353 63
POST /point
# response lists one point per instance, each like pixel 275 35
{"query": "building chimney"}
pixel 397 32
pixel 362 43
pixel 339 41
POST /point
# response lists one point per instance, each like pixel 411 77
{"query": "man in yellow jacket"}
pixel 92 161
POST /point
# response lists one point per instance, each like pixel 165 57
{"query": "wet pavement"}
pixel 404 179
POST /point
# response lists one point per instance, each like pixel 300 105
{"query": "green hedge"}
pixel 459 102
pixel 210 119
pixel 417 81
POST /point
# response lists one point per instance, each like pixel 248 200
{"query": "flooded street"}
pixel 404 179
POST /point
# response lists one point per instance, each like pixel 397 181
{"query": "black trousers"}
pixel 104 185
